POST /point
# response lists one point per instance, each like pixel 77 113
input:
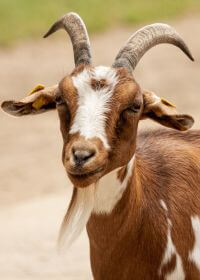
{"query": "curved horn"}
pixel 144 39
pixel 77 31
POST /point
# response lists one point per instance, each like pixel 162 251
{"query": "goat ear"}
pixel 39 100
pixel 163 112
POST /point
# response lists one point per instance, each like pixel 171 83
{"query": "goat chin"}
pixel 77 216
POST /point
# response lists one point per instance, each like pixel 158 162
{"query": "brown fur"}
pixel 130 242
pixel 98 84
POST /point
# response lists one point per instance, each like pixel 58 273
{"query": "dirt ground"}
pixel 34 190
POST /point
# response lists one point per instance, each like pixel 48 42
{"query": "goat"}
pixel 138 195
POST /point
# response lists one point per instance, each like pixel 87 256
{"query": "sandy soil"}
pixel 34 190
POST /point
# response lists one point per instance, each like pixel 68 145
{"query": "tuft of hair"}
pixel 77 216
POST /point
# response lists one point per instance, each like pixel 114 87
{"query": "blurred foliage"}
pixel 21 19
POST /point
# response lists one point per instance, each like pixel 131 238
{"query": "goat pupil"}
pixel 135 108
pixel 59 100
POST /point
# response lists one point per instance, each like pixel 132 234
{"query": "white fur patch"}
pixel 194 255
pixel 157 99
pixel 178 273
pixel 163 204
pixel 109 190
pixel 93 104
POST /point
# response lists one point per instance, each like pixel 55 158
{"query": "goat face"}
pixel 99 109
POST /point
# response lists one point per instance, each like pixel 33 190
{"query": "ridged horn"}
pixel 146 38
pixel 77 31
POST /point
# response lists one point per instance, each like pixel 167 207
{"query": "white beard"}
pixel 100 198
pixel 77 215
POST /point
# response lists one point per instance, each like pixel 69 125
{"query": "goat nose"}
pixel 82 156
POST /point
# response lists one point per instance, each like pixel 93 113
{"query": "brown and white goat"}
pixel 144 223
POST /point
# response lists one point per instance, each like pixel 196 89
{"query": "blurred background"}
pixel 34 190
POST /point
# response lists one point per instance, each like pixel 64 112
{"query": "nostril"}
pixel 81 156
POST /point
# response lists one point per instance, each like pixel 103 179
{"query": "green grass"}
pixel 21 19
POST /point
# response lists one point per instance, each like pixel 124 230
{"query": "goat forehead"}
pixel 88 74
pixel 93 102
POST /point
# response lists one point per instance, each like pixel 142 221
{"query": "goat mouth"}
pixel 84 175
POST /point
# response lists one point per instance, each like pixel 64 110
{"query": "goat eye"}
pixel 59 100
pixel 134 108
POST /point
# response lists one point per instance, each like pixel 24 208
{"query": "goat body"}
pixel 154 230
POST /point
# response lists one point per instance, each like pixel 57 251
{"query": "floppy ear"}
pixel 39 100
pixel 163 112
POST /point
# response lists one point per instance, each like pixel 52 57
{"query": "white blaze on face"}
pixel 90 118
pixel 194 255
